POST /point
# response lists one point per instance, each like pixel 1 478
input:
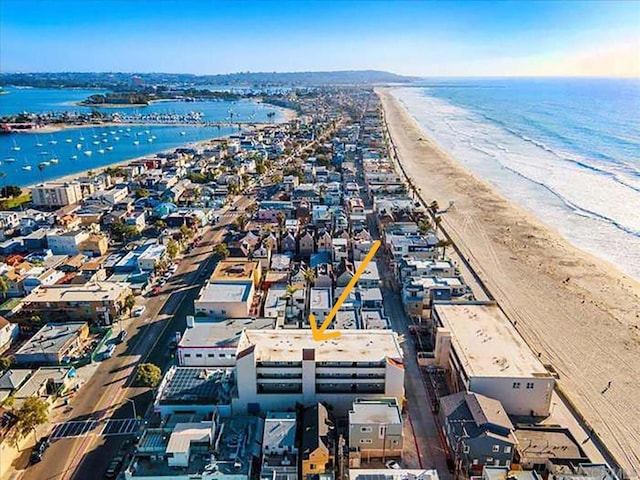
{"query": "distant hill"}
pixel 257 79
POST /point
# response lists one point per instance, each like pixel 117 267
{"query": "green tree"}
pixel 148 375
pixel 34 412
pixel 11 191
pixel 241 222
pixel 129 303
pixel 186 231
pixel 444 244
pixel 309 276
pixel 221 250
pixel 4 287
pixel 5 363
pixel 142 193
pixel 35 319
pixel 172 249
pixel 122 232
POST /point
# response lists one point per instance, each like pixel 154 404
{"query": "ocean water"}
pixel 567 150
pixel 108 145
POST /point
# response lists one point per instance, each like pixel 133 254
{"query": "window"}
pixel 507 449
pixel 496 448
pixel 187 355
pixel 465 448
pixel 366 440
pixel 210 355
pixel 222 355
pixel 198 355
pixel 530 385
pixel 366 429
pixel 489 460
pixel 516 384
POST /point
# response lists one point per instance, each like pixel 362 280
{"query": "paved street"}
pixel 103 396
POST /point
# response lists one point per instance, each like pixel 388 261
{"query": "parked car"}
pixel 108 353
pixel 38 450
pixel 114 468
pixel 392 464
pixel 138 311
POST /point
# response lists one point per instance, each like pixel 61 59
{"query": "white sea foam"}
pixel 596 208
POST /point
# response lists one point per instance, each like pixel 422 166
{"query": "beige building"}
pixel 276 369
pixel 237 270
pixel 375 430
pixel 100 303
pixel 483 353
pixel 56 194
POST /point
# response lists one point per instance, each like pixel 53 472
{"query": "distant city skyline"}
pixel 439 39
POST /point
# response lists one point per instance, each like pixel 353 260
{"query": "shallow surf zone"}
pixel 592 207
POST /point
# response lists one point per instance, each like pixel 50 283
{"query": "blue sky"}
pixel 464 38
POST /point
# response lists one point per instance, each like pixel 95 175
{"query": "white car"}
pixel 392 464
pixel 108 353
pixel 139 311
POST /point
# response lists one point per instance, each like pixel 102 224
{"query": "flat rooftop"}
pixel 374 319
pixel 280 430
pixel 374 411
pixel 238 444
pixel 52 338
pixel 370 272
pixel 219 292
pixel 389 474
pixel 225 333
pixel 352 345
pixel 91 292
pixel 486 342
pixel 538 444
pixel 234 270
pixel 196 385
pixel 320 298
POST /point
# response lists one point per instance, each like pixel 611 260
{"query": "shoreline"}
pixel 579 312
pixel 200 143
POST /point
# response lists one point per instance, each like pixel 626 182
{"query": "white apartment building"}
pixel 225 299
pixel 276 369
pixel 210 342
pixel 485 354
pixel 66 243
pixel 56 194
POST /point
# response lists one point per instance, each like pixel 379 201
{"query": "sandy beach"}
pixel 581 314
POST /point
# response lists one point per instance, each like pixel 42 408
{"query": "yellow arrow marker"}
pixel 320 333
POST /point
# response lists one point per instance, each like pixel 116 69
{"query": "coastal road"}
pixel 103 396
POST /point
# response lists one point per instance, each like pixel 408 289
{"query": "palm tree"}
pixel 290 290
pixel 434 207
pixel 444 244
pixel 4 287
pixel 241 222
pixel 309 276
pixel 424 225
pixel 437 221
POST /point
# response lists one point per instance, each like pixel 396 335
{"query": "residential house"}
pixel 318 442
pixel 477 430
pixel 279 447
pixel 375 430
